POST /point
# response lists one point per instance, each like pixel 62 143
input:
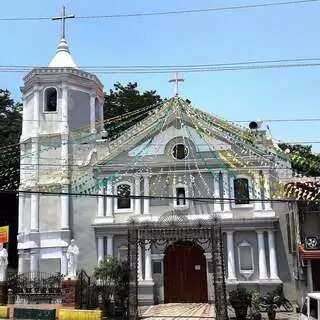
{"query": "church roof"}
pixel 63 57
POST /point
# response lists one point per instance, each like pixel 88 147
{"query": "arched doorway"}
pixel 185 273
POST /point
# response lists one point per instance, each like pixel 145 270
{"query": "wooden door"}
pixel 185 274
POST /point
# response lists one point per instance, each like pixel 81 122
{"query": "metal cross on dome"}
pixel 176 80
pixel 63 21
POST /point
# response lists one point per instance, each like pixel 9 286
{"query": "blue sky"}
pixel 283 32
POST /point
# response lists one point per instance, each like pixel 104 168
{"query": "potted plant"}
pixel 270 302
pixel 255 313
pixel 240 300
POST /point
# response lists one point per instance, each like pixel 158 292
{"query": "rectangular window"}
pixel 313 308
pixel 181 197
pixel 156 266
pixel 123 200
pixel 241 191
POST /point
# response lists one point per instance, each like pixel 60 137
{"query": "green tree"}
pixel 124 99
pixel 303 160
pixel 113 279
pixel 10 128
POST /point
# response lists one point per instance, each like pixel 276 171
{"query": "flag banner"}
pixel 4 234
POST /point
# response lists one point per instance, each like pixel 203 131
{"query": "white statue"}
pixel 72 257
pixel 3 262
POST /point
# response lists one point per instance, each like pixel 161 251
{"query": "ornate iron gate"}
pixel 205 233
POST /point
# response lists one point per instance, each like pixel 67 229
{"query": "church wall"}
pixel 49 159
pixel 84 211
pixel 286 259
pixel 79 110
pixel 27 116
pixel 49 212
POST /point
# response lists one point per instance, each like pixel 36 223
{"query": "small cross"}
pixel 176 80
pixel 63 21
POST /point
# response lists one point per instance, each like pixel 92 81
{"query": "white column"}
pixel 309 276
pixel 64 109
pixel 100 249
pixel 137 192
pixel 92 113
pixel 226 191
pixel 65 208
pixel 148 267
pixel 216 193
pixel 146 192
pixel 110 245
pixel 20 262
pixel 267 204
pixel 20 212
pixel 231 264
pixel 64 263
pixel 262 256
pixel 101 202
pixel 139 263
pixel 34 219
pixel 232 189
pixel 257 192
pixel 109 200
pixel 34 263
pixel 272 256
pixel 36 112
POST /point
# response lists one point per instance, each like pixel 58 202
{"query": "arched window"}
pixel 123 193
pixel 241 191
pixel 245 256
pixel 50 100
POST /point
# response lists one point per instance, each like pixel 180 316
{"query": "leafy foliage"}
pixel 123 99
pixel 113 281
pixel 307 163
pixel 240 300
pixel 10 128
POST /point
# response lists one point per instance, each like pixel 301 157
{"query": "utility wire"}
pixel 174 12
pixel 207 199
pixel 195 69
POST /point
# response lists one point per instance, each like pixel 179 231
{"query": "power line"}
pixel 202 199
pixel 174 12
pixel 195 69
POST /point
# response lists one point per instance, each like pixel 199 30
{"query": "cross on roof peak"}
pixel 176 80
pixel 63 18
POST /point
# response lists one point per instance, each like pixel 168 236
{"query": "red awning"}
pixel 308 254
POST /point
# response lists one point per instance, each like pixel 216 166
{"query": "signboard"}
pixel 4 234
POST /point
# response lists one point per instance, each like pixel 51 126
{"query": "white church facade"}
pixel 169 160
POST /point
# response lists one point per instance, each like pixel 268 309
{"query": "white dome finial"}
pixel 63 57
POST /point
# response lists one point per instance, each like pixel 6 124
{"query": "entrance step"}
pixel 176 311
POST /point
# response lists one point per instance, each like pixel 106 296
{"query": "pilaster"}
pixel 272 256
pixel 216 193
pixel 262 256
pixel 137 192
pixel 110 245
pixel 146 193
pixel 231 263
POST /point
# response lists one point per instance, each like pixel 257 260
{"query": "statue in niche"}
pixel 72 257
pixel 3 262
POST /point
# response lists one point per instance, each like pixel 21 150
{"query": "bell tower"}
pixel 61 104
